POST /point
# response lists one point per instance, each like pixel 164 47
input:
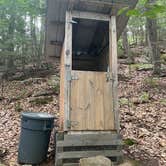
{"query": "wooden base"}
pixel 70 148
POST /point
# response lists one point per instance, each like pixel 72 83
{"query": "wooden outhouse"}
pixel 84 34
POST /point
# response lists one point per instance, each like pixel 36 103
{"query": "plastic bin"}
pixel 34 138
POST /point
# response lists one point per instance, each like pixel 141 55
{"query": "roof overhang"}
pixel 55 20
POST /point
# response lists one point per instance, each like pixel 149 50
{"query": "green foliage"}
pixel 56 88
pixel 142 66
pixel 163 101
pixel 144 9
pixel 21 37
pixel 121 53
pixel 129 141
pixel 144 98
pixel 151 82
pixel 123 101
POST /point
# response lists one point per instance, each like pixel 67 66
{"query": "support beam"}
pixel 67 67
pixel 105 2
pixel 90 15
pixel 58 43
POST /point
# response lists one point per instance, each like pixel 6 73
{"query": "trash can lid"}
pixel 38 115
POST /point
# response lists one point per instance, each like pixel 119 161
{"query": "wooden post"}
pixel 113 60
pixel 68 67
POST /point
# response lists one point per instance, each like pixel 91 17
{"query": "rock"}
pixel 96 161
pixel 162 143
pixel 130 163
pixel 1 164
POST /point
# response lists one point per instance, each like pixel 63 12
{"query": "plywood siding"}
pixel 91 101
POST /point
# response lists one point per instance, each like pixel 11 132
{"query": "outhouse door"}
pixel 91 97
pixel 91 101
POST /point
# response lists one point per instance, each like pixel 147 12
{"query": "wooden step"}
pixel 70 148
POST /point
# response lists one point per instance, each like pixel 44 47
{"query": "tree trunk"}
pixel 152 36
pixel 126 45
pixel 10 59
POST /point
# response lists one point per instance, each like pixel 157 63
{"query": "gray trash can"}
pixel 34 138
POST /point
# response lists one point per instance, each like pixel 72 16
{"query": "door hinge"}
pixel 71 77
pixel 74 77
pixel 108 77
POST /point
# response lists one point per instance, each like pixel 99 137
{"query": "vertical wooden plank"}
pixel 114 67
pixel 108 106
pixel 61 119
pixel 68 67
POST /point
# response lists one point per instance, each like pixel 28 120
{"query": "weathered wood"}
pixel 83 154
pixel 93 136
pixel 68 67
pixel 87 143
pixel 71 164
pixel 58 136
pixel 62 92
pixel 111 3
pixel 77 146
pixel 114 67
pixel 91 106
pixel 90 15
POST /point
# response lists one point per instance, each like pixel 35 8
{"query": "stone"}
pixel 96 161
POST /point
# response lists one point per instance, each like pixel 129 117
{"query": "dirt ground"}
pixel 142 100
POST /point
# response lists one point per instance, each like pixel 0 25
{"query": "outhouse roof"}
pixel 55 20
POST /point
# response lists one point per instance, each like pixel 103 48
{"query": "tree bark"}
pixel 152 39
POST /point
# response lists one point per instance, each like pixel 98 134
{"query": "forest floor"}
pixel 142 99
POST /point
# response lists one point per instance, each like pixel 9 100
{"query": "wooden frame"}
pixel 68 67
pixel 113 60
pixel 68 60
pixel 90 15
pixel 72 147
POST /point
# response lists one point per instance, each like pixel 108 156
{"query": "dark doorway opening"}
pixel 90 45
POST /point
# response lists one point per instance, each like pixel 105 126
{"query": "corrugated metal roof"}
pixel 55 23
